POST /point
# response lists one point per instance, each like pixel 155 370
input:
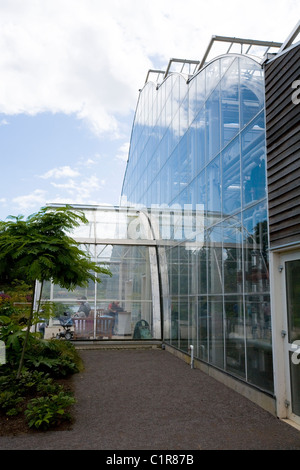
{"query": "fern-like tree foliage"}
pixel 40 248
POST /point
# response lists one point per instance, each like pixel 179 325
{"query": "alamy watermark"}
pixel 296 93
pixel 296 354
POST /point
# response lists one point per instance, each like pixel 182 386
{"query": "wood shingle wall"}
pixel 283 147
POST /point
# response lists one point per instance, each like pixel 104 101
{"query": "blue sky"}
pixel 70 74
pixel 57 158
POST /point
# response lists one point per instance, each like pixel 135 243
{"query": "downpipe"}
pixel 191 348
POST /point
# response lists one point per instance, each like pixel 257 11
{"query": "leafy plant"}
pixel 48 401
pixel 39 249
pixel 10 402
pixel 45 412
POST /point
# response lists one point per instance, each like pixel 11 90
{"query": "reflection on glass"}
pixel 203 343
pixel 202 141
pixel 231 178
pixel 216 331
pixel 258 341
pixel 295 386
pixel 255 241
pixel 235 335
pixel 213 190
pixel 252 93
pixel 292 273
pixel 230 104
pixel 214 260
pixel 200 148
pixel 175 323
pixel 213 124
pixel 130 285
pixel 232 255
pixel 253 161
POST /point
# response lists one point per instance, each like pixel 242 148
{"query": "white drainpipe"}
pixel 191 348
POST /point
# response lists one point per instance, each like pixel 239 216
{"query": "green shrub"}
pixel 42 388
pixel 10 402
pixel 58 358
pixel 45 412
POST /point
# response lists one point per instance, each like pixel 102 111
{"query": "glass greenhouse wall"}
pixel 114 239
pixel 198 147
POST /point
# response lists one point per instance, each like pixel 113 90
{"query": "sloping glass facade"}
pixel 198 147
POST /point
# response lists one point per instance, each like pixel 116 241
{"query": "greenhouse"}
pixel 198 146
pixel 204 246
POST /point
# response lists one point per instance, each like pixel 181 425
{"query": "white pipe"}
pixel 192 355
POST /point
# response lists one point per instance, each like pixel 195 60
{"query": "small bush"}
pixel 45 361
pixel 45 412
pixel 58 358
pixel 10 402
pixel 47 401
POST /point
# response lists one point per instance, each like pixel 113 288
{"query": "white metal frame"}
pixel 281 346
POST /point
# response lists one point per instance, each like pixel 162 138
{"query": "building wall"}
pixel 199 145
pixel 282 83
pixel 283 144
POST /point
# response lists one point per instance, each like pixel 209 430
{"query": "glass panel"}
pixel 231 178
pixel 129 287
pixel 216 331
pixel 235 336
pixel 213 124
pixel 212 76
pixel 184 176
pixel 232 255
pixel 258 341
pixel 173 162
pixel 295 386
pixel 200 190
pixel 230 104
pixel 173 265
pixel 252 90
pixel 175 329
pixel 184 323
pixel 200 155
pixel 202 270
pixel 202 347
pixel 184 110
pixel 183 271
pixel 197 95
pixel 293 299
pixel 253 161
pixel 255 239
pixel 213 191
pixel 214 260
pixel 193 104
pixel 193 313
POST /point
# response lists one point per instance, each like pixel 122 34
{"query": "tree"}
pixel 40 249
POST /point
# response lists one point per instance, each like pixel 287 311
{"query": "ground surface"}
pixel 151 400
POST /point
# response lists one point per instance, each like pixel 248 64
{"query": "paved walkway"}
pixel 151 400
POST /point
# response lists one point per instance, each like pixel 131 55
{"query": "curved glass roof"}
pixel 218 45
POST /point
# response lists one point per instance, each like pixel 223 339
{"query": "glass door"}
pixel 292 299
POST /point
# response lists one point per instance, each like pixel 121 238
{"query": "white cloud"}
pixel 81 189
pixel 89 161
pixel 61 172
pixel 123 152
pixel 29 201
pixel 90 57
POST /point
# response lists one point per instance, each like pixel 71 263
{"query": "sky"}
pixel 70 74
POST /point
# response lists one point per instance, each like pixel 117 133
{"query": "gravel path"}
pixel 151 400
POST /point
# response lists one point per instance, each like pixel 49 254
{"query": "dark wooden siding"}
pixel 283 148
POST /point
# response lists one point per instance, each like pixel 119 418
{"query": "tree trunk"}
pixel 27 334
